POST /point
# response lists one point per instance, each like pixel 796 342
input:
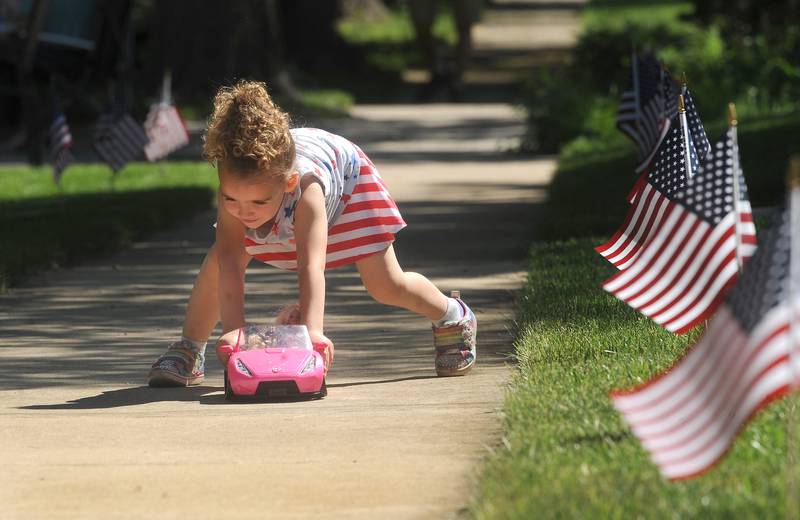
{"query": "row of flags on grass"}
pixel 118 138
pixel 688 417
pixel 686 252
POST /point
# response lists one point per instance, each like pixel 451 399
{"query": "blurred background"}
pixel 562 64
pixel 321 56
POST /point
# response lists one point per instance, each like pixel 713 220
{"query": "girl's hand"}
pixel 226 345
pixel 324 346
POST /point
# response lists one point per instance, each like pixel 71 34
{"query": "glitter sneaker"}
pixel 181 365
pixel 456 343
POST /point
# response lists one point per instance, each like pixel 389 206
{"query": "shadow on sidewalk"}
pixel 381 381
pixel 105 322
pixel 136 396
pixel 209 395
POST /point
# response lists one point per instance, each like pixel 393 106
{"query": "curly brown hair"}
pixel 248 133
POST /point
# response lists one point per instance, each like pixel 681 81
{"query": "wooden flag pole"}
pixel 733 123
pixel 685 132
pixel 794 331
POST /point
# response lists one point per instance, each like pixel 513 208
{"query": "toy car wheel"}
pixel 229 395
pixel 323 391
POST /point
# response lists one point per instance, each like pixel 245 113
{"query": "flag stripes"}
pixel 166 131
pixel 652 200
pixel 119 140
pixel 688 416
pixel 660 133
pixel 646 213
pixel 637 187
pixel 641 114
pixel 677 249
pixel 60 146
pixel 679 276
pixel 747 228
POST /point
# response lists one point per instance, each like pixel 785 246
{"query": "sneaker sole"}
pixel 161 378
pixel 445 372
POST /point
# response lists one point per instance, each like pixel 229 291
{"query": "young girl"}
pixel 304 200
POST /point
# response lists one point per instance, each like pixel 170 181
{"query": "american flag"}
pixel 60 146
pixel 648 204
pixel 641 112
pixel 699 145
pixel 681 272
pixel 688 416
pixel 166 131
pixel 118 139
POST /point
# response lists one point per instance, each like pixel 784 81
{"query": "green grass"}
pixel 19 182
pixel 93 214
pixel 612 14
pixel 388 42
pixel 325 102
pixel 394 28
pixel 566 453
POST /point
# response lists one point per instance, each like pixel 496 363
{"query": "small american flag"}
pixel 648 204
pixel 60 146
pixel 641 112
pixel 688 416
pixel 118 139
pixel 698 142
pixel 166 130
pixel 681 273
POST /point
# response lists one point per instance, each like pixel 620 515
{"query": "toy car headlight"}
pixel 241 367
pixel 309 364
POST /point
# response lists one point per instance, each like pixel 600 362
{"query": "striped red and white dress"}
pixel 362 216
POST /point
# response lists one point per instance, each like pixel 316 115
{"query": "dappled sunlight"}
pixel 107 321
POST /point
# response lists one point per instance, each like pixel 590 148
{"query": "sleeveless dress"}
pixel 362 216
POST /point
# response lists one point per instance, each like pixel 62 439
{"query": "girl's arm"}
pixel 230 254
pixel 311 234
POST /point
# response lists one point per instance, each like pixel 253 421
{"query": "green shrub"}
pixel 556 111
pixel 581 98
pixel 40 233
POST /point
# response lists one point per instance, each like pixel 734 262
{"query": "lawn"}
pixel 566 453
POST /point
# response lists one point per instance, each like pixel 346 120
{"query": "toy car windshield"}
pixel 275 336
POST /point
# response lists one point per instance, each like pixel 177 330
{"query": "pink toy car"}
pixel 272 361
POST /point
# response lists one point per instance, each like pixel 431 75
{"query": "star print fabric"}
pixel 362 216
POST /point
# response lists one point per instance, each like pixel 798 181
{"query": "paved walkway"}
pixel 81 436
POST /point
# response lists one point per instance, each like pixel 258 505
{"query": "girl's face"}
pixel 253 201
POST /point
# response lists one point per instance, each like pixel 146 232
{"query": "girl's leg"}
pixel 202 313
pixel 183 364
pixel 455 341
pixel 387 283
